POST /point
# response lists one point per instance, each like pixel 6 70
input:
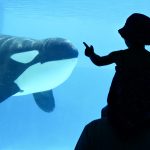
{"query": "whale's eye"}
pixel 25 57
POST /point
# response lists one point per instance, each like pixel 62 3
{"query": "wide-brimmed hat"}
pixel 136 28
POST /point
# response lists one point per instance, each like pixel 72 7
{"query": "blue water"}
pixel 23 126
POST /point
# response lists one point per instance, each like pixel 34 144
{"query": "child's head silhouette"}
pixel 136 29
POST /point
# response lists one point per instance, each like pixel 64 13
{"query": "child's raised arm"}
pixel 96 59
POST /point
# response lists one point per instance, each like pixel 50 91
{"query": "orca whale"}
pixel 30 66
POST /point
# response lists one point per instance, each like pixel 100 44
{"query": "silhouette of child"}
pixel 129 96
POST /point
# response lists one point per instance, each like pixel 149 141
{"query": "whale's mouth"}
pixel 42 77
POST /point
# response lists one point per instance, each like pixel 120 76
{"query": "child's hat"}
pixel 137 27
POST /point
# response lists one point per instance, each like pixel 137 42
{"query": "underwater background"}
pixel 79 100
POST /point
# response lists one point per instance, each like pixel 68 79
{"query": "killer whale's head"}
pixel 57 49
pixel 57 59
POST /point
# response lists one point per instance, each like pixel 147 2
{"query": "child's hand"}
pixel 89 50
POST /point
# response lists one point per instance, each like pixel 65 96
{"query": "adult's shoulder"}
pixel 96 122
pixel 98 125
pixel 96 135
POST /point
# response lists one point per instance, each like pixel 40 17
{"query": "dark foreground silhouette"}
pixel 100 135
pixel 128 109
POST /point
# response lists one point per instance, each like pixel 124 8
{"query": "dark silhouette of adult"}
pixel 128 109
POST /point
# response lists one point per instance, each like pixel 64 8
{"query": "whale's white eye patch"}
pixel 25 57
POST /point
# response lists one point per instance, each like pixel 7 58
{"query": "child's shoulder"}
pixel 119 52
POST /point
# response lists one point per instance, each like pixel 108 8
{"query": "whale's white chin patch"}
pixel 43 77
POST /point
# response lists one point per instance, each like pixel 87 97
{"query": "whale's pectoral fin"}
pixel 7 90
pixel 45 100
